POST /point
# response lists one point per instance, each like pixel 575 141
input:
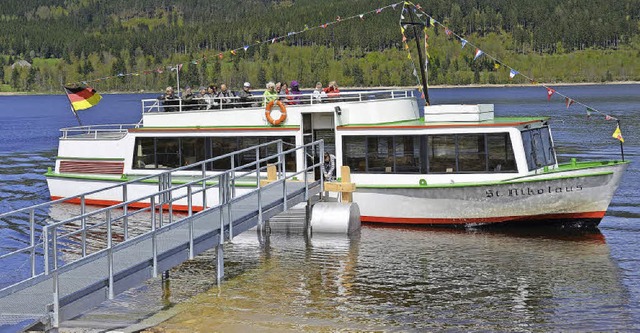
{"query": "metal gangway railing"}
pixel 90 254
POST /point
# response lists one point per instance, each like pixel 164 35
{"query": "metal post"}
pixel 83 224
pixel 229 203
pixel 306 177
pixel 190 209
pixel 56 281
pixel 204 186
pixel 233 177
pixel 259 199
pixel 170 197
pixel 154 248
pixel 221 205
pixel 110 253
pixel 32 227
pixel 280 159
pixel 45 240
pixel 220 262
pixel 125 209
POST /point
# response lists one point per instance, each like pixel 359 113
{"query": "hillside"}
pixel 78 40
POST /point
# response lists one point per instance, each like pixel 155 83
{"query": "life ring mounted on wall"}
pixel 283 113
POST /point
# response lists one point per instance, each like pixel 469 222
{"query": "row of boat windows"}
pixel 169 153
pixel 452 153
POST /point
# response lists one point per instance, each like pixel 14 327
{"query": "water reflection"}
pixel 415 280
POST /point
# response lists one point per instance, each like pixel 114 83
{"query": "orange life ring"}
pixel 283 113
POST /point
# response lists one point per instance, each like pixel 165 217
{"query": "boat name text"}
pixel 528 191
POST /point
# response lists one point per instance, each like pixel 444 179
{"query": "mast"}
pixel 425 88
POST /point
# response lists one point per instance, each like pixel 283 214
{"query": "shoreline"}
pixel 442 86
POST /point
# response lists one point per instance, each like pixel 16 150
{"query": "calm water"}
pixel 387 279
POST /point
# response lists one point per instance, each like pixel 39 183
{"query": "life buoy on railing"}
pixel 283 113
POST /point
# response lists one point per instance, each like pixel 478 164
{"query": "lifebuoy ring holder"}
pixel 283 113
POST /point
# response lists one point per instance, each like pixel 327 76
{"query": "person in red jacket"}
pixel 332 90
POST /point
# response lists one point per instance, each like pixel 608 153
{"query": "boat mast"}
pixel 425 88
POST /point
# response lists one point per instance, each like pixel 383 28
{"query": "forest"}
pixel 131 45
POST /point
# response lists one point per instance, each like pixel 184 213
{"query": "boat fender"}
pixel 283 113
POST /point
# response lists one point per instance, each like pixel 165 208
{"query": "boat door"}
pixel 316 126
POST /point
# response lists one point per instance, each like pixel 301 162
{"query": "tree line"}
pixel 72 41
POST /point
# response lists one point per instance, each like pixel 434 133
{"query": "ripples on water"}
pixel 395 279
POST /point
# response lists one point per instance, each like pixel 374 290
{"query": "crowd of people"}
pixel 214 97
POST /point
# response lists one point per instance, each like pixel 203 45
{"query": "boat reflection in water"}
pixel 414 279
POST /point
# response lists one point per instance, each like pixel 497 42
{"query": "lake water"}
pixel 386 279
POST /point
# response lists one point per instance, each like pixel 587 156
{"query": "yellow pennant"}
pixel 617 134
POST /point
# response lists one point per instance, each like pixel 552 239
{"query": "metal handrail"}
pixel 53 232
pixel 234 102
pixel 95 129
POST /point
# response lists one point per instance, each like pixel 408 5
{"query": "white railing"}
pixel 259 100
pixel 96 131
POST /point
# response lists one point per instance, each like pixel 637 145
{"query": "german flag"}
pixel 82 98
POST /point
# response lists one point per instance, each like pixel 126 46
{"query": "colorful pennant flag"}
pixel 568 101
pixel 246 48
pixel 447 31
pixel 589 111
pixel 608 117
pixel 513 73
pixel 433 21
pixel 464 42
pixel 550 93
pixel 617 134
pixel 362 16
pixel 233 52
pixel 478 54
pixel 379 10
pixel 82 98
pixel 496 65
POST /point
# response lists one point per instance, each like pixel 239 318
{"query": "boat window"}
pixel 191 150
pixel 380 154
pixel 354 153
pixel 538 147
pixel 472 154
pixel 442 153
pixel 452 153
pixel 407 154
pixel 144 155
pixel 501 158
pixel 167 153
pixel 222 146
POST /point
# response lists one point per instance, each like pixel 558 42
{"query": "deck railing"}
pixel 97 131
pixel 259 100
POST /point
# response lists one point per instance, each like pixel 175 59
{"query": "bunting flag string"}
pixel 431 21
pixel 273 40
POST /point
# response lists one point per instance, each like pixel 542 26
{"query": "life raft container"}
pixel 283 113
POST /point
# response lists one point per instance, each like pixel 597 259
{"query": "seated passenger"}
pixel 245 97
pixel 332 91
pixel 295 93
pixel 210 97
pixel 169 100
pixel 270 94
pixel 188 102
pixel 226 96
pixel 318 94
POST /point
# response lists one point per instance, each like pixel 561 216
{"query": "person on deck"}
pixel 295 93
pixel 329 167
pixel 318 94
pixel 169 100
pixel 210 97
pixel 245 97
pixel 226 96
pixel 270 94
pixel 332 91
pixel 188 102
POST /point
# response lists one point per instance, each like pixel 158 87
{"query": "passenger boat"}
pixel 453 165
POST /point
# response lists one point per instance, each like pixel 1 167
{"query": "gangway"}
pixel 76 262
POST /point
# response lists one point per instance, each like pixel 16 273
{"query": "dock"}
pixel 76 262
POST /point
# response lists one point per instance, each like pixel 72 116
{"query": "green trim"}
pixel 90 158
pixel 125 178
pixel 489 183
pixel 421 122
pixel 149 128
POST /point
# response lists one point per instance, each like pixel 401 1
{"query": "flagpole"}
pixel 178 79
pixel 621 145
pixel 71 105
pixel 425 88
